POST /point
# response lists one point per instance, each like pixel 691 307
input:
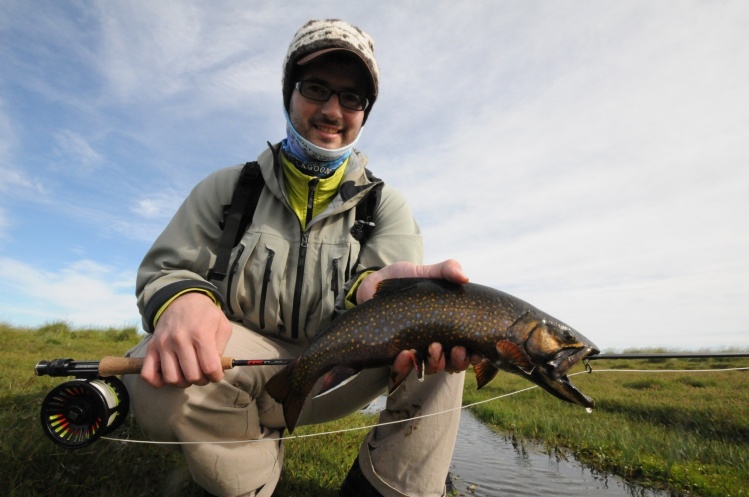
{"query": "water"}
pixel 488 464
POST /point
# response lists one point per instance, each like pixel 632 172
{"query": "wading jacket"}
pixel 284 281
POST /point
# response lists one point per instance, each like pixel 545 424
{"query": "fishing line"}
pixel 333 432
pixel 588 370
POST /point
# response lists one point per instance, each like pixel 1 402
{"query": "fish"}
pixel 411 313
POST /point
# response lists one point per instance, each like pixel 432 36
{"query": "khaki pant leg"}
pixel 413 458
pixel 234 409
pixel 410 455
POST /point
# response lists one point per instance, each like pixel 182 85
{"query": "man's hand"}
pixel 188 341
pixel 450 270
pixel 458 361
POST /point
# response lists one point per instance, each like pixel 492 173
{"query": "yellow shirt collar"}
pixel 297 189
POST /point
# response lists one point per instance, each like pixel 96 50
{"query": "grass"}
pixel 31 465
pixel 684 432
pixel 687 432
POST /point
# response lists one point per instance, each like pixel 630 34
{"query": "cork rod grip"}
pixel 112 366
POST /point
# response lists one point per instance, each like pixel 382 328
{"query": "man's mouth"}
pixel 327 129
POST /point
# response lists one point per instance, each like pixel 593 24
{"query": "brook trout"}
pixel 410 314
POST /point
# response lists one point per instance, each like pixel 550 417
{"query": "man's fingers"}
pixel 459 360
pixel 223 334
pixel 449 270
pixel 436 360
pixel 210 357
pixel 171 371
pixel 403 362
pixel 210 367
pixel 151 370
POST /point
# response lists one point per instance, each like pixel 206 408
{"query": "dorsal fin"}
pixel 395 285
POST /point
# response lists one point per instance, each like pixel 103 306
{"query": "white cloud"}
pixel 7 136
pixel 77 153
pixel 606 182
pixel 11 177
pixel 8 176
pixel 161 205
pixel 167 50
pixel 84 293
pixel 4 223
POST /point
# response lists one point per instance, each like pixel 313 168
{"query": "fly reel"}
pixel 78 412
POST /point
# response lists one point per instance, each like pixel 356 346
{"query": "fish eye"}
pixel 568 336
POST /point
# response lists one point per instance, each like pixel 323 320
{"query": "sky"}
pixel 591 158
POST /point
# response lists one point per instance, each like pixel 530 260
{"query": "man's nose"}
pixel 332 106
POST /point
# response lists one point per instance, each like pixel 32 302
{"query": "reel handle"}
pixel 112 366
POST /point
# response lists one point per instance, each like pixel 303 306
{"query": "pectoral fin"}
pixel 511 353
pixel 336 378
pixel 485 372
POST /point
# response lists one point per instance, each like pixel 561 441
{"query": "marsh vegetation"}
pixel 684 431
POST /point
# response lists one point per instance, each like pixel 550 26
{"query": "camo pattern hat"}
pixel 317 37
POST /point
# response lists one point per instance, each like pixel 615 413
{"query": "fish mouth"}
pixel 566 358
pixel 553 376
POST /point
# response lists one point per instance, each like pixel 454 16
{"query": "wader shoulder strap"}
pixel 365 210
pixel 239 216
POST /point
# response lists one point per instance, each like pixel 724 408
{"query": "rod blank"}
pixel 668 355
pixel 113 366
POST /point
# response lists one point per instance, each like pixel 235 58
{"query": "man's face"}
pixel 328 124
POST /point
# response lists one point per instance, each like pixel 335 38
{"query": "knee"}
pixel 154 409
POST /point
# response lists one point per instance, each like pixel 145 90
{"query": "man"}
pixel 295 267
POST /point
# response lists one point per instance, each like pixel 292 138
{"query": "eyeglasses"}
pixel 321 93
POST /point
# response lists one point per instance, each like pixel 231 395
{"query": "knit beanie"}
pixel 317 37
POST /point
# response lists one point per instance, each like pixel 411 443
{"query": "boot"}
pixel 356 485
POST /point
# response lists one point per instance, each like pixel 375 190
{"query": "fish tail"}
pixel 280 387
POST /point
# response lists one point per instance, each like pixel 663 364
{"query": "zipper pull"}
pixel 334 280
pixel 305 239
pixel 268 264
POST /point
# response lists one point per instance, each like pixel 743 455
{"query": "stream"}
pixel 488 464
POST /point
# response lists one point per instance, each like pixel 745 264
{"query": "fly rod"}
pixel 112 366
pixel 79 412
pixel 670 355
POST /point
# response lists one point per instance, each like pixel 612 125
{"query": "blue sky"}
pixel 589 157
